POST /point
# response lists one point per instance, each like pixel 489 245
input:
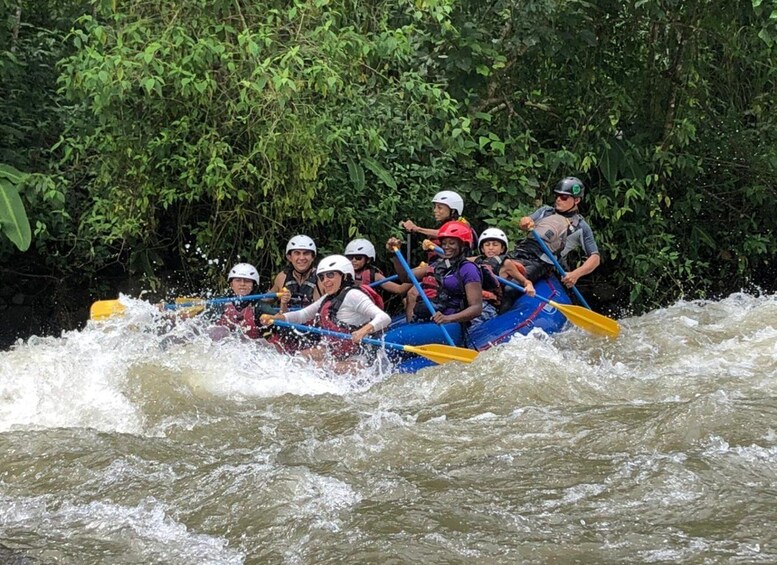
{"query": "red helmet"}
pixel 457 229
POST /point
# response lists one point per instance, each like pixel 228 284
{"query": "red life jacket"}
pixel 327 319
pixel 367 275
pixel 242 319
pixel 429 283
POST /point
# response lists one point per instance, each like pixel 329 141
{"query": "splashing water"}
pixel 121 447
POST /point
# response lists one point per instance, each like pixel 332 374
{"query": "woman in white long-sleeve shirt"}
pixel 344 307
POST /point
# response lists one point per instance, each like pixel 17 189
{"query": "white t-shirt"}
pixel 356 310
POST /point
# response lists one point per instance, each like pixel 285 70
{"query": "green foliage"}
pixel 152 130
pixel 239 125
pixel 666 111
pixel 13 217
pixel 31 42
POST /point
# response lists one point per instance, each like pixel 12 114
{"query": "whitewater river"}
pixel 660 447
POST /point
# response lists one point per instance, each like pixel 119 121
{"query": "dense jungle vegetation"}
pixel 140 139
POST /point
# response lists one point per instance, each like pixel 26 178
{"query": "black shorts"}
pixel 528 255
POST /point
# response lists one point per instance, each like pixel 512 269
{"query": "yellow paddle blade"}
pixel 588 319
pixel 186 307
pixel 104 309
pixel 442 353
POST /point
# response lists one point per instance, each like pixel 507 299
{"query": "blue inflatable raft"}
pixel 525 314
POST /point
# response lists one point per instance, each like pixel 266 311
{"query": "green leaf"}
pixel 609 163
pixel 12 174
pixel 13 217
pixel 380 172
pixel 356 173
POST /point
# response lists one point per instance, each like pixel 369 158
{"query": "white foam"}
pixel 147 530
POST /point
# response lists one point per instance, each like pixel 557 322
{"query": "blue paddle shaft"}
pixel 519 288
pixel 224 300
pixel 392 278
pixel 252 297
pixel 422 294
pixel 558 266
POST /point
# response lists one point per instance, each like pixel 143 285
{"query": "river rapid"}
pixel 659 447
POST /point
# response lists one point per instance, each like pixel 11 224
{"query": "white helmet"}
pixel 451 199
pixel 301 242
pixel 493 233
pixel 243 271
pixel 338 263
pixel 360 247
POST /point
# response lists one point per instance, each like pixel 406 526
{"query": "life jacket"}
pixel 489 268
pixel 243 319
pixel 301 294
pixel 367 275
pixel 327 319
pixel 554 228
pixel 431 284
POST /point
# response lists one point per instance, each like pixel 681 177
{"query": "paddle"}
pixel 586 319
pixel 392 278
pixel 224 300
pixel 421 293
pixel 558 266
pixel 435 352
pixel 104 309
pixel 409 242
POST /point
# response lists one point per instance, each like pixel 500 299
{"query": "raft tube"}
pixel 524 315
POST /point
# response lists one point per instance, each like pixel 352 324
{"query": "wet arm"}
pixel 392 287
pixel 305 314
pixel 365 308
pixel 474 291
pixel 588 267
pixel 410 226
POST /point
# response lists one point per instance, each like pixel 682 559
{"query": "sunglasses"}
pixel 356 257
pixel 563 197
pixel 329 275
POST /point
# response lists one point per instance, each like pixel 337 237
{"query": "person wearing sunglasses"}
pixel 361 253
pixel 344 307
pixel 563 230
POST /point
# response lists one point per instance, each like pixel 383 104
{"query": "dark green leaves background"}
pixel 170 137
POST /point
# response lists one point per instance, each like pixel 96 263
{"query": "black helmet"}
pixel 572 186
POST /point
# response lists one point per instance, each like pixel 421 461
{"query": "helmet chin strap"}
pixel 571 212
